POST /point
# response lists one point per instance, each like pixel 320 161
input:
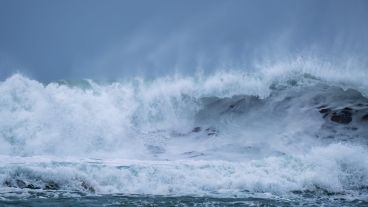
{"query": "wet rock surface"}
pixel 365 117
pixel 210 131
pixel 343 112
pixel 88 187
pixel 51 185
pixel 18 183
pixel 35 184
pixel 196 129
pixel 342 117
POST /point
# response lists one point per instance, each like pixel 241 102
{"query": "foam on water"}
pixel 335 168
pixel 288 129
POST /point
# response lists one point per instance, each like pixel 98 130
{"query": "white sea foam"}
pixel 336 168
pixel 229 133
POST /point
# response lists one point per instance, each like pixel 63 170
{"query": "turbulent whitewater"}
pixel 271 134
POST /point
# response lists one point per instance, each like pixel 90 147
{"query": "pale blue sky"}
pixel 72 39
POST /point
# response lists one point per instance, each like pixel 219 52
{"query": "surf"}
pixel 281 131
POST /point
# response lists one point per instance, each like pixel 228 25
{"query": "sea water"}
pixel 291 135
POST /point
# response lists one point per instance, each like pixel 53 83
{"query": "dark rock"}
pixel 325 110
pixel 31 186
pixel 21 183
pixel 342 117
pixel 51 185
pixel 8 183
pixel 196 129
pixel 365 117
pixel 211 131
pixel 88 187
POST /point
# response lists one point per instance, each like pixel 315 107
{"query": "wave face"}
pixel 275 133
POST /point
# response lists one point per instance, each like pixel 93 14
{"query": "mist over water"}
pixel 206 103
pixel 76 40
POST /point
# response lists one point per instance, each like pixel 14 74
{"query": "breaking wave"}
pixel 286 130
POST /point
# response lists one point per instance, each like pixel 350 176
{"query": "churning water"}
pixel 289 135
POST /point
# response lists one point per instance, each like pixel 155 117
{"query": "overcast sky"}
pixel 73 39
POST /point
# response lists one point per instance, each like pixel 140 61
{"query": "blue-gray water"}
pixel 289 135
pixel 121 200
pixel 183 103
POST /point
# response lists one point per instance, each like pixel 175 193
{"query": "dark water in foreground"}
pixel 120 200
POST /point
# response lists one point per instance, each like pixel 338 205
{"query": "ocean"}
pixel 285 136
